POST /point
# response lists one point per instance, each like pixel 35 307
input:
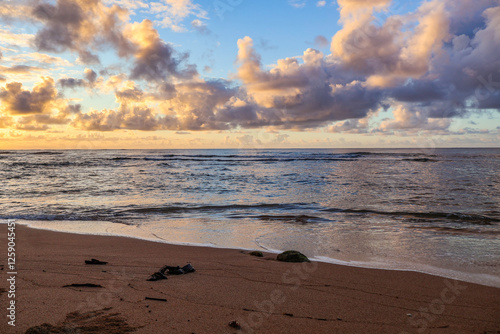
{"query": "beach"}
pixel 260 295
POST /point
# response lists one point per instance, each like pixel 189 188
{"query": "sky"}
pixel 102 74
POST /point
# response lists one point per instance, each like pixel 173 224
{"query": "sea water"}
pixel 429 210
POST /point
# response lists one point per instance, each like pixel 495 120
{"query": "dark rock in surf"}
pixel 257 253
pixel 292 256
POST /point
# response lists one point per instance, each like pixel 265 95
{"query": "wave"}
pixel 43 164
pixel 420 159
pixel 248 159
pixel 455 216
pixel 281 157
pixel 456 230
pixel 46 153
pixel 204 208
pixel 264 158
pixel 43 217
pixel 97 216
pixel 302 219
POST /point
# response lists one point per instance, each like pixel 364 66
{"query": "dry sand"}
pixel 261 294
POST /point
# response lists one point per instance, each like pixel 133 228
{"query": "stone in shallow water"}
pixel 256 253
pixel 292 256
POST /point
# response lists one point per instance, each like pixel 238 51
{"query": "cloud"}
pixel 41 122
pixel 155 60
pixel 428 66
pixel 40 58
pixel 71 83
pixel 320 41
pixel 13 10
pixel 131 118
pixel 248 140
pixel 350 126
pixel 90 78
pixel 321 3
pixel 423 69
pixel 130 5
pixel 5 121
pixel 80 26
pixel 20 69
pixel 302 95
pixel 467 16
pixel 413 120
pixel 463 78
pixel 12 39
pixel 297 3
pixel 200 27
pixel 389 54
pixel 17 101
pixel 418 91
pixel 36 109
pixel 171 13
pixel 196 106
pixel 130 92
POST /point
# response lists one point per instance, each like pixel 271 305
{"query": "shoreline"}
pixel 484 279
pixel 261 294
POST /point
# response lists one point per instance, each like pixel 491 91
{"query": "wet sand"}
pixel 261 295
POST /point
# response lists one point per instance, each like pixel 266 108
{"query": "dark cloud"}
pixel 71 83
pixel 17 101
pixel 81 26
pixel 466 17
pixel 467 80
pixel 299 96
pixel 132 93
pixel 197 105
pixel 418 91
pixel 73 109
pixel 90 76
pixel 63 23
pixel 19 69
pixel 156 60
pixel 165 91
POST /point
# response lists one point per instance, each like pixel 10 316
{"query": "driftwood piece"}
pixel 94 261
pixel 82 285
pixel 157 299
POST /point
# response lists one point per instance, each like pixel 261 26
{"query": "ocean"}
pixel 428 210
